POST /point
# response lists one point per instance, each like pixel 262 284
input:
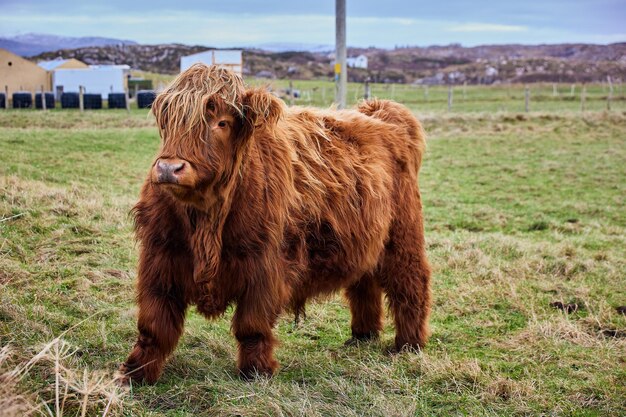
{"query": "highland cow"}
pixel 262 206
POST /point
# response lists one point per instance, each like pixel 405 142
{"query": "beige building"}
pixel 19 74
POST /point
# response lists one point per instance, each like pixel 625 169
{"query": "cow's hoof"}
pixel 358 338
pixel 122 377
pixel 126 375
pixel 406 347
pixel 252 373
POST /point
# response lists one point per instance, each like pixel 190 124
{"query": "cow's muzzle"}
pixel 169 171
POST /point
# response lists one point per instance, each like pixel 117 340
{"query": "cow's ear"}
pixel 261 108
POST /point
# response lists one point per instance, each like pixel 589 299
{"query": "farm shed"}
pixel 56 64
pixel 97 79
pixel 231 59
pixel 19 74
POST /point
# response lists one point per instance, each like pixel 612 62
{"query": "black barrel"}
pixel 92 101
pixel 117 100
pixel 145 98
pixel 49 100
pixel 70 100
pixel 3 101
pixel 22 100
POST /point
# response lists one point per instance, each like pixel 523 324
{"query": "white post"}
pixel 81 98
pixel 450 97
pixel 43 99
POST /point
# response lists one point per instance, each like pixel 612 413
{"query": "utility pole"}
pixel 341 75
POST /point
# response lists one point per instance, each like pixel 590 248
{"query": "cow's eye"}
pixel 222 123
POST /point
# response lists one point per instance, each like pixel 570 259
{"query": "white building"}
pixel 97 79
pixel 357 62
pixel 231 59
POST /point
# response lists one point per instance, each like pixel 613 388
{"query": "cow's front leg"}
pixel 160 325
pixel 162 302
pixel 253 321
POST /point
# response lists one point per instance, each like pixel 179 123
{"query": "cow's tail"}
pixel 399 115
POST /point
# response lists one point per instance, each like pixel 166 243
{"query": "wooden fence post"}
pixel 6 97
pixel 127 99
pixel 450 97
pixel 609 97
pixel 290 93
pixel 526 98
pixel 81 98
pixel 368 92
pixel 583 97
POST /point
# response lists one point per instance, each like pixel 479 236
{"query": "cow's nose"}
pixel 168 170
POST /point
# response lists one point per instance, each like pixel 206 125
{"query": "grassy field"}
pixel 522 210
pixel 471 98
pixel 543 97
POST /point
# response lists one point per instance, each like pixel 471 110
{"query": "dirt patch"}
pixel 568 308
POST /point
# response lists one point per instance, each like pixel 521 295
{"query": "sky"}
pixel 381 23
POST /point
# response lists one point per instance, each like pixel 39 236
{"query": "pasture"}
pixel 543 97
pixel 522 210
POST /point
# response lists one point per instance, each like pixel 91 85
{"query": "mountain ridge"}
pixel 437 64
pixel 31 44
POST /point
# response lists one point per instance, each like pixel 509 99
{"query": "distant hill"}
pixel 291 47
pixel 35 43
pixel 451 64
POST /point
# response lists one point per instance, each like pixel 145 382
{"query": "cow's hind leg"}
pixel 405 276
pixel 365 299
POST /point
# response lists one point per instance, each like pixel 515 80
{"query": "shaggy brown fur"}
pixel 262 206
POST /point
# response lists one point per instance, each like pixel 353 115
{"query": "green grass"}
pixel 521 210
pixel 470 98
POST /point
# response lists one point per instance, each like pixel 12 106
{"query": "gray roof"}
pixel 50 65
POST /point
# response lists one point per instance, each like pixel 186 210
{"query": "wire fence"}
pixel 541 97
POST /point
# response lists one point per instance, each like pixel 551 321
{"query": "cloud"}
pixel 485 27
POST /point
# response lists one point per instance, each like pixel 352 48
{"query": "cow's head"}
pixel 206 119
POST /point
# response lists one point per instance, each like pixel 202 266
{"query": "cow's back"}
pixel 347 169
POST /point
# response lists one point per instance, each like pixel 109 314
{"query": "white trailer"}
pixel 97 79
pixel 231 59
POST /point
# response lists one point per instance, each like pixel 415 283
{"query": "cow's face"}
pixel 206 119
pixel 192 162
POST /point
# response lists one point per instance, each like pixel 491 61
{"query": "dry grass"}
pixel 72 391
